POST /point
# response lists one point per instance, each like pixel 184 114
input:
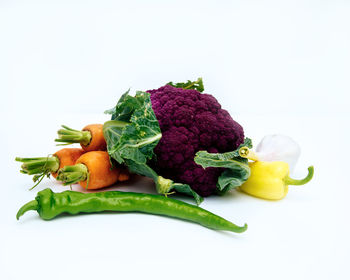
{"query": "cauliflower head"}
pixel 191 121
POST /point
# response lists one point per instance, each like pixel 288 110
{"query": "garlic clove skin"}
pixel 278 147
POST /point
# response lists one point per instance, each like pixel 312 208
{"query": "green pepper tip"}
pixel 243 228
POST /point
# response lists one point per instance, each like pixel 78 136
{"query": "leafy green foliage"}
pixel 197 85
pixel 247 143
pixel 134 131
pixel 237 168
pixel 131 137
pixel 186 189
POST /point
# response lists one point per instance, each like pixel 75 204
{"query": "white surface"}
pixel 278 67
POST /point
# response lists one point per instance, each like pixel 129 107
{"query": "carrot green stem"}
pixel 39 167
pixel 67 136
pixel 289 181
pixel 31 205
pixel 73 174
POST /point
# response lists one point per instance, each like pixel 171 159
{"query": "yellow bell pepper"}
pixel 270 180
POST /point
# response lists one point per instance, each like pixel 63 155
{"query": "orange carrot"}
pixel 90 137
pixel 44 166
pixel 98 142
pixel 67 156
pixel 93 170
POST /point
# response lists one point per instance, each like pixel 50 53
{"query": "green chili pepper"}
pixel 49 204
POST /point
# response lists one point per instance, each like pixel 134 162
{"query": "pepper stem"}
pixel 67 136
pixel 289 181
pixel 72 174
pixel 244 152
pixel 31 205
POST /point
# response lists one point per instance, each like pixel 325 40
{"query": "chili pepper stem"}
pixel 67 136
pixel 73 174
pixel 31 205
pixel 289 181
pixel 244 152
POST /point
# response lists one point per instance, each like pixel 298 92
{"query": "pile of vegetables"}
pixel 178 136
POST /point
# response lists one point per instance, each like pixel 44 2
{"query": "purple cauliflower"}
pixel 190 122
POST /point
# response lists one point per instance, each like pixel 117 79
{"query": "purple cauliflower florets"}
pixel 190 122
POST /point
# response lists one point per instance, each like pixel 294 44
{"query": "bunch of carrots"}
pixel 90 165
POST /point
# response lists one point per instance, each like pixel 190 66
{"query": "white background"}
pixel 277 66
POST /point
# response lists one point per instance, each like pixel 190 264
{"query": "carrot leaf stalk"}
pixel 67 135
pixel 72 174
pixel 39 167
